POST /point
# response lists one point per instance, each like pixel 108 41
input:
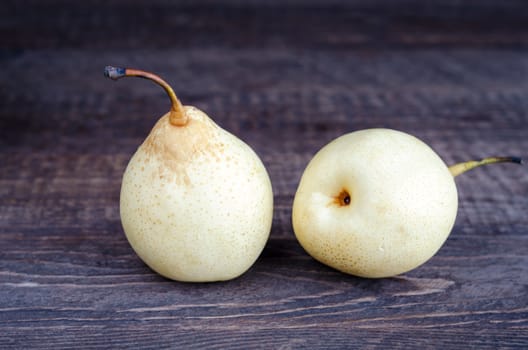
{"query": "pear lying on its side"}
pixel 196 202
pixel 377 203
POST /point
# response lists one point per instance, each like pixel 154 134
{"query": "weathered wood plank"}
pixel 314 24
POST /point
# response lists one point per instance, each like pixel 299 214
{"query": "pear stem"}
pixel 461 168
pixel 177 114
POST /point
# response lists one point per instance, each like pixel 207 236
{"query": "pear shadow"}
pixel 283 257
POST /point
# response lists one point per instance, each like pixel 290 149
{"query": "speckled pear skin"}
pixel 401 208
pixel 196 202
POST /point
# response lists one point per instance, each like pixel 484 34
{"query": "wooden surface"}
pixel 286 77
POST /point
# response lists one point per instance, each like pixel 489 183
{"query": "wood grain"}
pixel 286 77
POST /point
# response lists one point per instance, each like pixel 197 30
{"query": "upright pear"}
pixel 196 202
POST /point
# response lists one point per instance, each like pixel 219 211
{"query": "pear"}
pixel 377 203
pixel 196 202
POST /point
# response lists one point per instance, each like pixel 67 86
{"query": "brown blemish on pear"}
pixel 164 144
pixel 343 199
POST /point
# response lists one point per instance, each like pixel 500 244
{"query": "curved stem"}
pixel 177 114
pixel 461 168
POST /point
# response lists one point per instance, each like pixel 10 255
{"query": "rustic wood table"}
pixel 286 77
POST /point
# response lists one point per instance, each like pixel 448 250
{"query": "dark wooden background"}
pixel 287 77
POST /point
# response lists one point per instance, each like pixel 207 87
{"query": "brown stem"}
pixel 461 168
pixel 177 114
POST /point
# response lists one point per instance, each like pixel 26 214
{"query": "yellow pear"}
pixel 196 202
pixel 377 202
